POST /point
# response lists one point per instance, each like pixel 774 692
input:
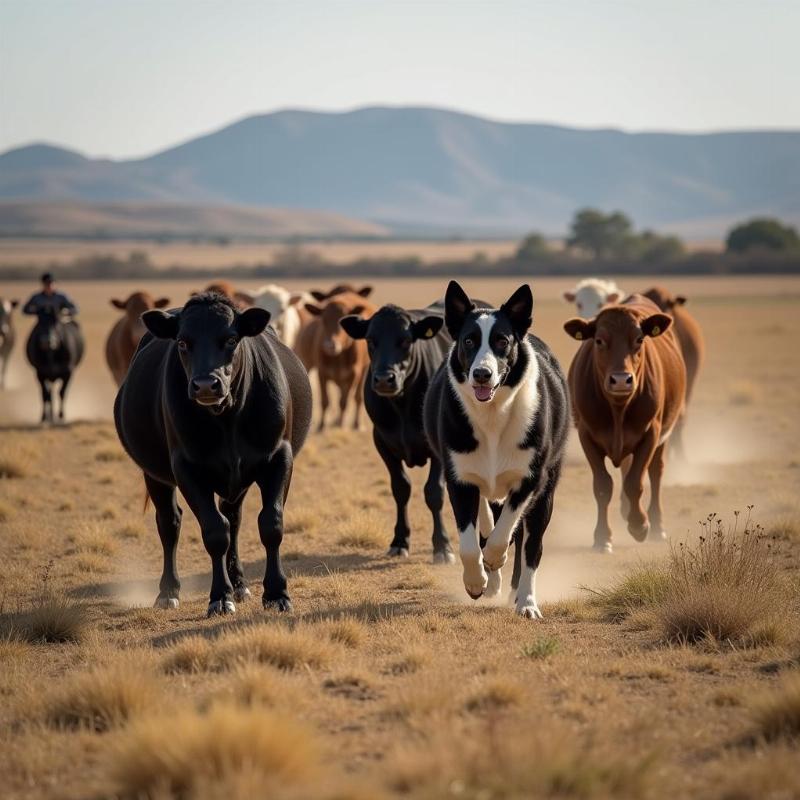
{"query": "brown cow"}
pixel 627 383
pixel 226 288
pixel 690 339
pixel 338 358
pixel 341 288
pixel 124 337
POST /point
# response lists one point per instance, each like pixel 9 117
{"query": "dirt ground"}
pixel 387 681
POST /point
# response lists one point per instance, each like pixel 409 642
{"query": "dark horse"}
pixel 54 350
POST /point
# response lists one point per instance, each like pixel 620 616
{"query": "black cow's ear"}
pixel 519 309
pixel 161 324
pixel 364 291
pixel 568 296
pixel 426 328
pixel 579 329
pixel 120 304
pixel 354 326
pixel 313 310
pixel 162 302
pixel 251 322
pixel 456 307
pixel 680 300
pixel 656 324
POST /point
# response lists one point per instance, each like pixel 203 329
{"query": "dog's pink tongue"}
pixel 483 393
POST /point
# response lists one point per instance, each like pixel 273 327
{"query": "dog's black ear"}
pixel 354 326
pixel 456 307
pixel 519 309
pixel 161 324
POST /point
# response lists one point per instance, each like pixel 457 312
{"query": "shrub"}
pixel 777 714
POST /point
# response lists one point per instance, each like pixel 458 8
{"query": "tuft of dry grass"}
pixel 522 763
pixel 191 755
pixel 725 588
pixel 412 661
pixel 362 530
pixel 777 714
pixel 101 699
pixel 541 647
pixel 15 462
pixel 189 655
pixel 254 685
pixel 54 619
pixel 6 512
pixel 345 630
pixel 92 538
pixel 494 694
pixel 129 531
pixel 302 520
pixel 279 645
pixel 108 454
pixel 644 586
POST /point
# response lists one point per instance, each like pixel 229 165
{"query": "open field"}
pixel 387 681
pixel 43 252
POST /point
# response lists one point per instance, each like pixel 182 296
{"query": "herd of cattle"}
pixel 215 396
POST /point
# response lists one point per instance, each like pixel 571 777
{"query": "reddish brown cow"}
pixel 226 288
pixel 338 358
pixel 341 288
pixel 627 383
pixel 124 337
pixel 690 339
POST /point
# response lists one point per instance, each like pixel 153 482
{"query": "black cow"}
pixel 496 413
pixel 54 350
pixel 405 350
pixel 212 405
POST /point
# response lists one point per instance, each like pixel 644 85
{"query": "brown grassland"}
pixel 661 671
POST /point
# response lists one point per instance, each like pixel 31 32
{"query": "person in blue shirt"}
pixel 49 300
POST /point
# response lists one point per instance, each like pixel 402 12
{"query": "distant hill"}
pixel 157 219
pixel 429 169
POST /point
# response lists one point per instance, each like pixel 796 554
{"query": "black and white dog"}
pixel 497 414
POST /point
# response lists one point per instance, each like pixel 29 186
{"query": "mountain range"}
pixel 429 170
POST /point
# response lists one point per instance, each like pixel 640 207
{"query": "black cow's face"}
pixel 390 335
pixel 207 332
pixel 487 341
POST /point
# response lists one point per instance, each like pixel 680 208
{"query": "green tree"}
pixel 765 232
pixel 652 248
pixel 602 235
pixel 533 247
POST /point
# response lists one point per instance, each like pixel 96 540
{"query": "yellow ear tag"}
pixel 656 330
pixel 428 333
pixel 578 335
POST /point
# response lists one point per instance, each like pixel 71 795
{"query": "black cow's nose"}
pixel 481 375
pixel 385 381
pixel 207 386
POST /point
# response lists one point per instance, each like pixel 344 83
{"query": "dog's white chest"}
pixel 499 464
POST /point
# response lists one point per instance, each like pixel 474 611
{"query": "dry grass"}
pixel 494 694
pixel 777 713
pixel 189 655
pixel 525 764
pixel 53 619
pixel 6 512
pixel 15 462
pixel 102 699
pixel 279 645
pixel 726 588
pixel 644 586
pixel 541 647
pixel 363 530
pixel 108 454
pixel 189 754
pixel 743 393
pixel 346 630
pixel 255 685
pixel 93 538
pixel 301 520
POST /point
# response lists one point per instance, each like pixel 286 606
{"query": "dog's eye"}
pixel 183 345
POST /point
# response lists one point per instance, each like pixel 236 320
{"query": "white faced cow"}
pixel 591 294
pixel 283 309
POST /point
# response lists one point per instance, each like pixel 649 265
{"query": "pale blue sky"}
pixel 129 77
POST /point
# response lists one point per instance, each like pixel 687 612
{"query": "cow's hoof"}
pixel 166 602
pixel 494 584
pixel 657 535
pixel 444 557
pixel 474 596
pixel 603 547
pixel 493 558
pixel 639 531
pixel 217 608
pixel 398 552
pixel 282 604
pixel 241 593
pixel 529 611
